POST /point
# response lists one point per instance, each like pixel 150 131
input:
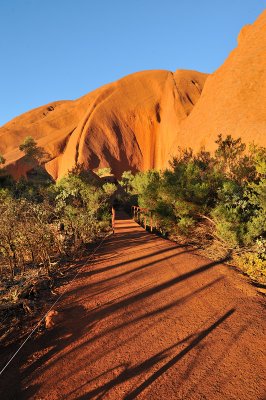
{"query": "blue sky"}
pixel 61 49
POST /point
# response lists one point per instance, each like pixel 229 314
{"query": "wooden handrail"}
pixel 136 213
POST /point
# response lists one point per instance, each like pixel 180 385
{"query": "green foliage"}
pixel 185 224
pixel 228 154
pixel 26 234
pixel 126 181
pixel 258 155
pixel 240 213
pixel 253 264
pixel 230 213
pixel 34 189
pixel 226 192
pixel 32 213
pixel 33 153
pixel 29 147
pixel 2 160
pixel 101 172
pixel 109 188
pixel 146 185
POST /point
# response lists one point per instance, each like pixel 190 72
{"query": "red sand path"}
pixel 148 320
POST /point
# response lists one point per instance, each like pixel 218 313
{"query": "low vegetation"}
pixel 215 202
pixel 45 222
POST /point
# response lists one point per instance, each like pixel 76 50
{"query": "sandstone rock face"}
pixel 139 121
pixel 234 97
pixel 128 124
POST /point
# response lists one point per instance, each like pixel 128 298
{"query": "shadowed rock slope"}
pixel 139 121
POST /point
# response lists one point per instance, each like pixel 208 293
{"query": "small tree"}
pixel 109 189
pixel 33 153
pixel 103 172
pixel 228 154
pixel 2 160
pixel 126 181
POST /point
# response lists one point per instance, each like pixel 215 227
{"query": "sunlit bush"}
pixel 225 191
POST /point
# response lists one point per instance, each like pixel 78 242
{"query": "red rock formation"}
pixel 128 124
pixel 234 97
pixel 139 121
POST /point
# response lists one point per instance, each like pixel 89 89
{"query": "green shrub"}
pixel 253 265
pixel 32 211
pixel 146 185
pixel 185 224
pixel 222 195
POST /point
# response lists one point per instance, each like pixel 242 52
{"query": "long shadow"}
pixel 123 263
pixel 124 245
pixel 59 338
pixel 143 317
pixel 129 243
pixel 56 340
pixel 126 273
pixel 178 357
pixel 107 254
pixel 101 313
pixel 148 364
pixel 218 361
pixel 72 269
pixel 153 313
pixel 94 379
pixel 137 236
pixel 147 315
pixel 127 374
pixel 154 290
pixel 103 255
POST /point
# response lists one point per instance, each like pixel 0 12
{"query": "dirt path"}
pixel 148 320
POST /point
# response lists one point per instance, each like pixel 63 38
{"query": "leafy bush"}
pixel 126 181
pixel 42 220
pixel 185 224
pixel 33 153
pixel 101 172
pixel 82 207
pixel 146 185
pixel 253 265
pixel 226 192
pixel 2 159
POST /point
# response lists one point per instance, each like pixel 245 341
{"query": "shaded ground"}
pixel 148 320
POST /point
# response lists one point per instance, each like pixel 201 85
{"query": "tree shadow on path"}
pixel 145 366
